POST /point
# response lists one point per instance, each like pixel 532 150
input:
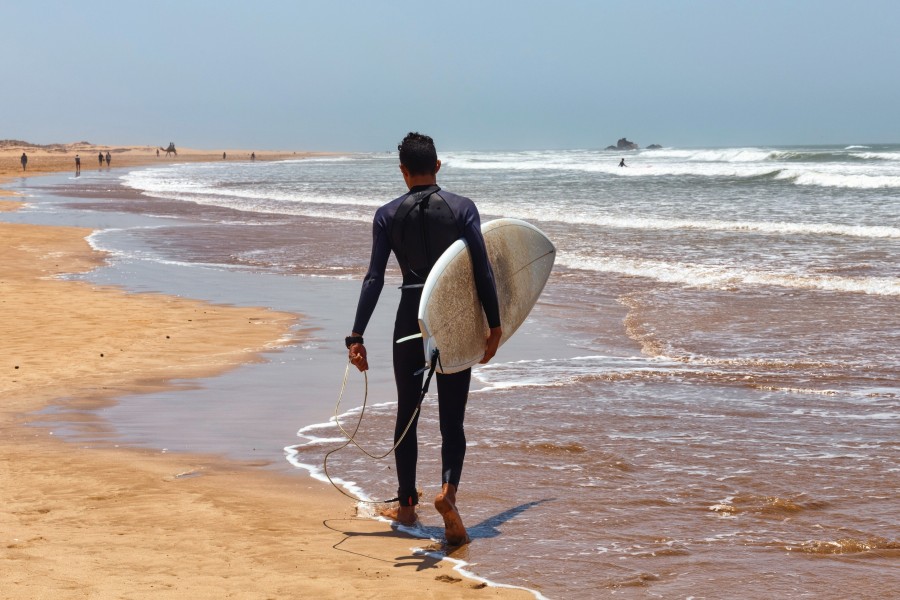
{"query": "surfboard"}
pixel 450 314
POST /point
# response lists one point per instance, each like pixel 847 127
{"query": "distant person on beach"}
pixel 622 163
pixel 253 156
pixel 77 165
pixel 157 153
pixel 449 217
pixel 100 158
pixel 108 158
pixel 24 161
pixel 223 156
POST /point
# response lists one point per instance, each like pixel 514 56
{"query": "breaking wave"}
pixel 715 276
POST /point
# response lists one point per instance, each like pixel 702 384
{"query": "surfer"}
pixel 418 226
pixel 622 163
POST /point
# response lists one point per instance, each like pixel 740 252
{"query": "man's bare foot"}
pixel 405 515
pixel 445 503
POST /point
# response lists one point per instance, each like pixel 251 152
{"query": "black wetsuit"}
pixel 416 254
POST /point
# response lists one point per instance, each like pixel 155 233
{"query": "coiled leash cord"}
pixel 435 359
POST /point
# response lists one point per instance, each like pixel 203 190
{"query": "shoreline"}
pixel 92 519
pixel 58 158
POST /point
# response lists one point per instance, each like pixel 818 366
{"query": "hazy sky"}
pixel 357 75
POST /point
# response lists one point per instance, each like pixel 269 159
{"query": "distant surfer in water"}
pixel 622 163
pixel 417 227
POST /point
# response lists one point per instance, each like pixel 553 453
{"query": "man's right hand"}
pixel 357 355
pixel 491 344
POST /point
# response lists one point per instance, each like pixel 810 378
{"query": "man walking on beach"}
pixel 108 159
pixel 418 226
pixel 24 161
pixel 77 165
pixel 100 157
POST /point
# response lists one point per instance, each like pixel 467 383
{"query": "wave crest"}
pixel 844 546
pixel 715 276
pixel 840 180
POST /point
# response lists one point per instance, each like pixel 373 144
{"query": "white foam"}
pixel 318 159
pixel 207 184
pixel 93 241
pixel 142 255
pixel 292 453
pixel 863 181
pixel 876 155
pixel 460 567
pixel 735 155
pixel 796 390
pixel 787 165
pixel 660 224
pixel 562 372
pixel 718 276
pixel 739 163
pixel 317 472
pixel 366 508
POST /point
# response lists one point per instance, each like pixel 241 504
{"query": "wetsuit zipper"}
pixel 423 215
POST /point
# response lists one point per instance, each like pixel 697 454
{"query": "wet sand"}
pixel 112 522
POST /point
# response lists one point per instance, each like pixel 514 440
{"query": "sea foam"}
pixel 723 277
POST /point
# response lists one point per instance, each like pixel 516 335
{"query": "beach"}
pixel 112 521
pixel 703 399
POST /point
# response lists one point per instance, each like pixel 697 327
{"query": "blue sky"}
pixel 353 75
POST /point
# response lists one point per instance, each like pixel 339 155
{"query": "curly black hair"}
pixel 418 154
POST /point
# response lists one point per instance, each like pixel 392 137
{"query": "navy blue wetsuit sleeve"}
pixel 374 280
pixel 481 266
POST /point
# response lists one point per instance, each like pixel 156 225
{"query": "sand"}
pixel 103 521
pixel 54 158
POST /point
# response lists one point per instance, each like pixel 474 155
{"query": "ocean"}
pixel 705 402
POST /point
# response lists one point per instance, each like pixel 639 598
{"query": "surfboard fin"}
pixel 409 337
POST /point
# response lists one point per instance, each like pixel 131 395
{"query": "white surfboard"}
pixel 450 314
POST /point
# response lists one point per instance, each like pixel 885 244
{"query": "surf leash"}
pixel 351 437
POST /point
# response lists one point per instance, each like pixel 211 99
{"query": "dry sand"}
pixel 54 158
pixel 107 522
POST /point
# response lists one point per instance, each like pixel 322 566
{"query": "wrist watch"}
pixel 353 339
